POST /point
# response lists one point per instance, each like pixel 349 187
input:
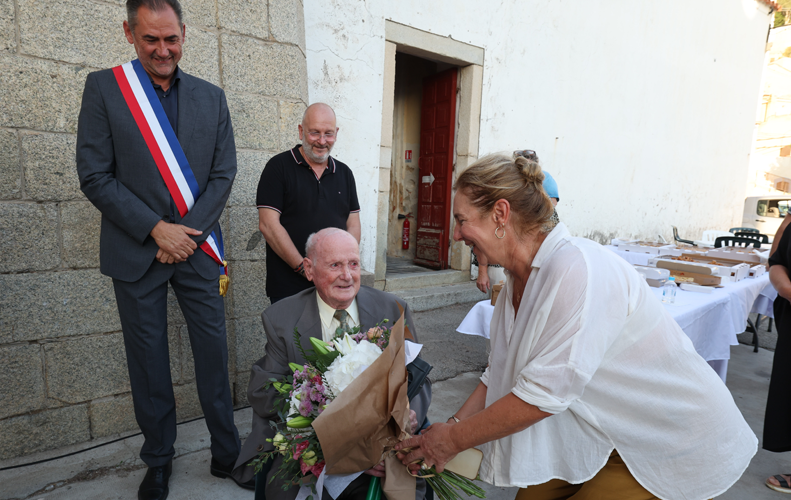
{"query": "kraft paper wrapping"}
pixel 398 483
pixel 370 416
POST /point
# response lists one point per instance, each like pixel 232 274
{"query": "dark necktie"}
pixel 343 318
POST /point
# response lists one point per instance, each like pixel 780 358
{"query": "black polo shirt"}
pixel 306 204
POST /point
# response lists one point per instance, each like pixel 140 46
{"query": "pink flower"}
pixel 305 468
pixel 374 332
pixel 299 449
pixel 305 407
pixel 316 469
pixel 317 394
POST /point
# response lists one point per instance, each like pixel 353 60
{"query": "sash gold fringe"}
pixel 224 281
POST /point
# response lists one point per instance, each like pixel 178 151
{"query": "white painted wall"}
pixel 643 111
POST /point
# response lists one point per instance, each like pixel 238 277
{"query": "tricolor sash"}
pixel 164 146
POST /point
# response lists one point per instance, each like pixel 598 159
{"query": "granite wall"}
pixel 63 376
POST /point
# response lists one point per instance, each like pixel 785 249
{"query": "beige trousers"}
pixel 613 482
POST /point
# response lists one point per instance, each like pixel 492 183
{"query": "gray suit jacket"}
pixel 118 174
pixel 301 311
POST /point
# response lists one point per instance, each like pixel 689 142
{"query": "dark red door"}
pixel 437 132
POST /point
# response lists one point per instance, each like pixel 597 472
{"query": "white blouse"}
pixel 593 346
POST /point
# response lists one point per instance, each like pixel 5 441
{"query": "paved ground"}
pixel 449 352
pixel 748 380
pixel 116 471
pixel 766 338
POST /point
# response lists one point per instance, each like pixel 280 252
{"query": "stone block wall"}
pixel 64 378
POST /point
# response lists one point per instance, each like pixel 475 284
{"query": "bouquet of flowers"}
pixel 310 388
pixel 345 408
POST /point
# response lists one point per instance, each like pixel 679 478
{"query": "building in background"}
pixel 770 162
pixel 768 195
pixel 642 111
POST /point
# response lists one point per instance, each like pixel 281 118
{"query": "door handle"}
pixel 759 220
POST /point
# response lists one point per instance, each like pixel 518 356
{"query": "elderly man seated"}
pixel 337 300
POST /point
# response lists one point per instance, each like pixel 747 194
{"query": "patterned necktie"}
pixel 343 318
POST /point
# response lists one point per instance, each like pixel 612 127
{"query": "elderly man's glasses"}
pixel 315 136
pixel 527 153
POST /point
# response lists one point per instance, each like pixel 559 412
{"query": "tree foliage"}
pixel 781 18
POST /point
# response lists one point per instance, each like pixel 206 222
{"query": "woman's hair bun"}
pixel 529 169
pixel 518 180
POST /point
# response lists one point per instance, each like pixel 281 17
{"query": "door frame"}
pixel 469 60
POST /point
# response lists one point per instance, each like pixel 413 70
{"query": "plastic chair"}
pixel 736 241
pixel 744 230
pixel 764 239
pixel 707 240
pixel 677 238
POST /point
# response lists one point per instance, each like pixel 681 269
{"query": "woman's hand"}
pixel 482 282
pixel 434 446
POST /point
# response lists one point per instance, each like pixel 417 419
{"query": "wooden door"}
pixel 437 132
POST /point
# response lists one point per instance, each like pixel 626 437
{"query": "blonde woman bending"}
pixel 592 390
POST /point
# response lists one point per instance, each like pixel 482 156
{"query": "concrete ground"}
pixel 113 471
pixel 767 339
pixel 748 381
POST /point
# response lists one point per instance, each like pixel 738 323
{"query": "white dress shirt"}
pixel 328 322
pixel 592 345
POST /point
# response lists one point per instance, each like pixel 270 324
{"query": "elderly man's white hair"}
pixel 315 238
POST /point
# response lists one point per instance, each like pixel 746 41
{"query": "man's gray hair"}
pixel 313 239
pixel 132 6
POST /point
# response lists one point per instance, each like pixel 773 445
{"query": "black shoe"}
pixel 155 484
pixel 223 471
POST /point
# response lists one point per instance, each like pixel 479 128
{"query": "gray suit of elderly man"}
pixel 309 312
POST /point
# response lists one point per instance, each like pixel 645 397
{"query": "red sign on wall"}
pixel 408 156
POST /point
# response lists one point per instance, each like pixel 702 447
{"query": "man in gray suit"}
pixel 333 264
pixel 147 243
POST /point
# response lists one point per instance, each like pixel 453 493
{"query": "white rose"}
pixel 354 360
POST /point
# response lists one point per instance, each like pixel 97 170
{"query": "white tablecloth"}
pixel 641 259
pixel 711 321
pixel 634 258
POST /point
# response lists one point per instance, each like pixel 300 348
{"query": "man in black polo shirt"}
pixel 302 191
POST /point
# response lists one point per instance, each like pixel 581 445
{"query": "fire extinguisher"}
pixel 405 231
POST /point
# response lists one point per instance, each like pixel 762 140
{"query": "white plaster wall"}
pixel 643 111
pixel 345 47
